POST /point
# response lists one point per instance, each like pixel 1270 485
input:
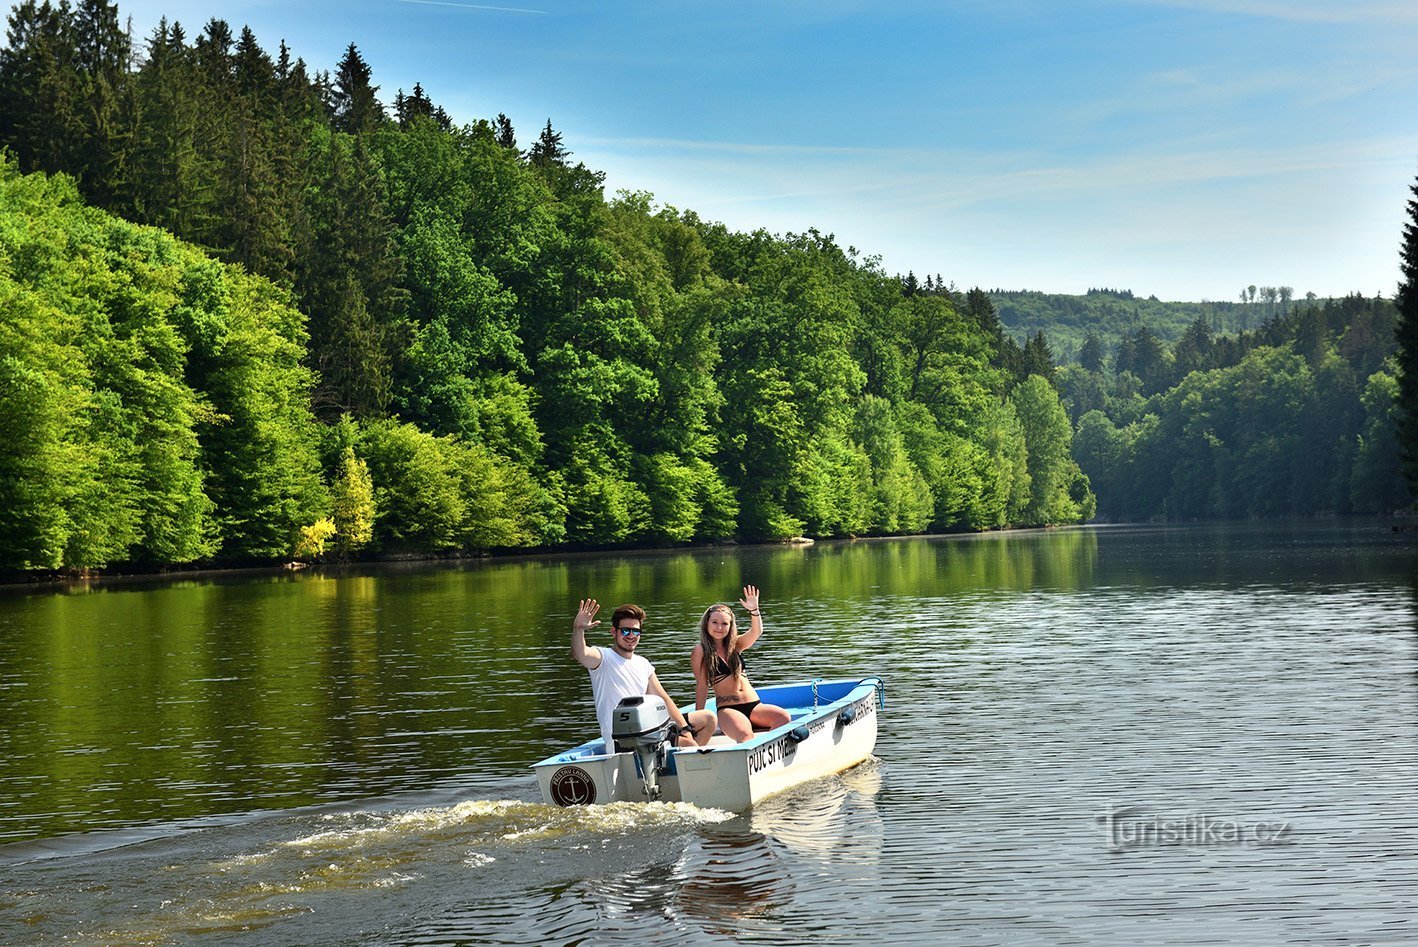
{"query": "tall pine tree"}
pixel 356 106
pixel 41 92
pixel 1407 332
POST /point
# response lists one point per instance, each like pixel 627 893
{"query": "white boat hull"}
pixel 834 727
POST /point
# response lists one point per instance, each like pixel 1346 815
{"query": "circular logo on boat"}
pixel 572 786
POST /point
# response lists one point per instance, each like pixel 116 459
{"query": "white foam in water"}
pixel 545 820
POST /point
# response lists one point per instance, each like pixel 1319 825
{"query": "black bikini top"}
pixel 721 670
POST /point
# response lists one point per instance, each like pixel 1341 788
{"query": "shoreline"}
pixel 17 581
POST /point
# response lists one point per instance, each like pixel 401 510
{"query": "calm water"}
pixel 1121 735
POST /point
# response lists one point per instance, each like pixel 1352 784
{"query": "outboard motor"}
pixel 641 725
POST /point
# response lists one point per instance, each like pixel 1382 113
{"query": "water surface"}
pixel 1115 735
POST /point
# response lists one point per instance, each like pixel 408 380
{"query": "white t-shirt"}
pixel 614 679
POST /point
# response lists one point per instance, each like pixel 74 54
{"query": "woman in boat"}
pixel 719 665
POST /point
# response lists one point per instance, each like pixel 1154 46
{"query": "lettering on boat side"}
pixel 572 786
pixel 765 756
pixel 867 705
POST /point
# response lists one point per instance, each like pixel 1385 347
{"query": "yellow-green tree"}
pixel 352 499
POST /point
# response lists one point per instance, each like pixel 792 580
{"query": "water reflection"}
pixel 833 819
pixel 733 880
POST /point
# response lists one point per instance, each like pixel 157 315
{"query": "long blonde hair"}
pixel 707 647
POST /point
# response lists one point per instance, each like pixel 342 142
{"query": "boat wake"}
pixel 505 820
pixel 295 868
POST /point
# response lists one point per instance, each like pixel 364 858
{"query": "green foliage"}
pixel 1048 441
pixel 443 494
pixel 160 392
pixel 349 279
pixel 1267 437
pixel 1268 422
pixel 352 501
pixel 108 414
pixel 1101 450
pixel 1376 484
pixel 899 499
pixel 260 441
pixel 310 544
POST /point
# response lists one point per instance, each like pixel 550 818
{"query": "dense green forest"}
pixel 1296 417
pixel 250 313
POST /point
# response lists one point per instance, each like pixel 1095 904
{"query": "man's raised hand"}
pixel 585 614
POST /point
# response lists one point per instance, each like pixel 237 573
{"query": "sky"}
pixel 1177 148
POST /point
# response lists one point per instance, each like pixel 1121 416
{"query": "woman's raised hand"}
pixel 750 598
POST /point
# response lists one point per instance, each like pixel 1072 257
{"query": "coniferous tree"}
pixel 214 89
pixel 355 102
pixel 1008 356
pixel 162 187
pixel 41 95
pixel 1038 358
pixel 102 50
pixel 1148 360
pixel 253 183
pixel 213 54
pixel 1407 335
pixel 349 281
pixel 299 96
pixel 1193 351
pixel 1090 356
pixel 253 71
pixel 506 136
pixel 417 105
pixel 547 150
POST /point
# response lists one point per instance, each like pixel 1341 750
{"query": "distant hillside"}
pixel 1067 320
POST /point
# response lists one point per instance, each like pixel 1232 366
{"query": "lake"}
pixel 1160 734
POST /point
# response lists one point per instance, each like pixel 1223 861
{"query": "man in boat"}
pixel 618 672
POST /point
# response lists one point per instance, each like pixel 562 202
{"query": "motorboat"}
pixel 833 727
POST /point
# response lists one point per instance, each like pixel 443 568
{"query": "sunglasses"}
pixel 629 632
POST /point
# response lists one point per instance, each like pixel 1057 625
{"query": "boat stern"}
pixel 588 776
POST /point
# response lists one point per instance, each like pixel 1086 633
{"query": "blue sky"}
pixel 1178 148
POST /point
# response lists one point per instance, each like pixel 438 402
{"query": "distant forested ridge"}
pixel 1112 314
pixel 251 313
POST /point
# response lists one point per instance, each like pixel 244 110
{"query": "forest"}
pixel 252 314
pixel 1296 417
pixel 1109 314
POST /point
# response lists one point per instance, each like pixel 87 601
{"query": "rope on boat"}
pixel 880 686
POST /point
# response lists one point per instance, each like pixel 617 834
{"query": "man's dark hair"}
pixel 627 611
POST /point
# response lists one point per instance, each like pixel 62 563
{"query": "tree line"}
pixel 251 313
pixel 1296 417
